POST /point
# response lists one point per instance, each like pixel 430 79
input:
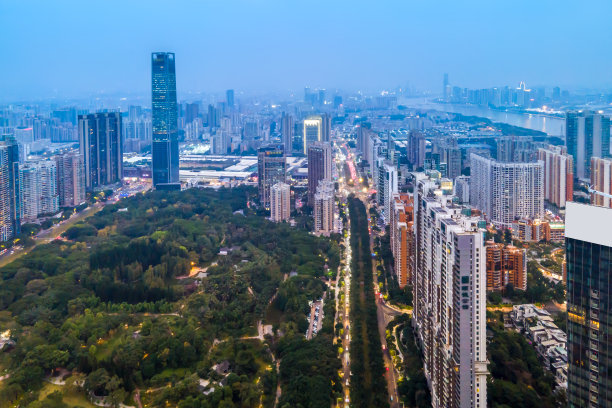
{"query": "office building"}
pixel 506 265
pixel 325 127
pixel 271 169
pixel 589 310
pixel 319 166
pixel 101 145
pixel 287 131
pixel 450 298
pixel 70 179
pixel 558 175
pixel 280 202
pixel 192 111
pixel 386 187
pixel 311 132
pixel 587 134
pixel 164 146
pixel 324 208
pixel 506 191
pixel 601 180
pixel 229 98
pixel 402 238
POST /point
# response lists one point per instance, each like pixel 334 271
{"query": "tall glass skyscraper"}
pixel 164 146
pixel 589 308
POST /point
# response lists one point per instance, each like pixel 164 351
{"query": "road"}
pixel 385 313
pixel 343 314
pixel 46 236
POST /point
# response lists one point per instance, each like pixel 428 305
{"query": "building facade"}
pixel 589 271
pixel 386 187
pixel 10 199
pixel 164 147
pixel 101 145
pixel 280 202
pixel 287 131
pixel 507 191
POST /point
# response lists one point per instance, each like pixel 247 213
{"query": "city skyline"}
pixel 256 46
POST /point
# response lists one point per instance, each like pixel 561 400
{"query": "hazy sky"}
pixel 79 47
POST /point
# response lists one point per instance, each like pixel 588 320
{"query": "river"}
pixel 551 125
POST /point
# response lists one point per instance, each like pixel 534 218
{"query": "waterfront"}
pixel 552 125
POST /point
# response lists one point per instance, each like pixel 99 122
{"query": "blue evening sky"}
pixel 81 47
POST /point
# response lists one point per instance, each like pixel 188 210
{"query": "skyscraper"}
pixel 280 202
pixel 70 179
pixel 38 185
pixel 450 298
pixel 416 149
pixel 101 145
pixel 271 169
pixel 10 207
pixel 445 88
pixel 319 166
pixel 589 284
pixel 587 134
pixel 311 132
pixel 386 187
pixel 164 148
pixel 506 191
pixel 558 175
pixel 229 98
pixel 324 208
pixel 325 127
pixel 287 130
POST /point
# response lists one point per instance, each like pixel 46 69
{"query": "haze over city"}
pixel 64 49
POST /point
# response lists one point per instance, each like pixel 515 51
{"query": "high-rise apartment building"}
pixel 587 134
pixel 70 179
pixel 272 169
pixel 319 166
pixel 507 191
pixel 38 189
pixel 101 145
pixel 287 131
pixel 311 132
pixel 324 208
pixel 506 264
pixel 280 202
pixel 558 175
pixel 13 155
pixel 386 187
pixel 589 309
pixel 164 147
pixel 10 200
pixel 450 298
pixel 402 237
pixel 462 189
pixel 601 180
